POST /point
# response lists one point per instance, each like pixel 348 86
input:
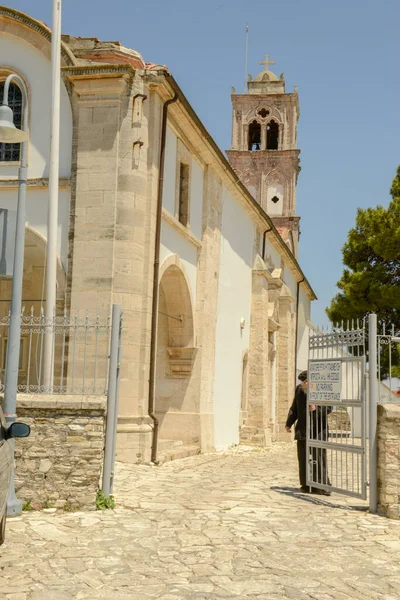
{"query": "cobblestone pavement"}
pixel 215 526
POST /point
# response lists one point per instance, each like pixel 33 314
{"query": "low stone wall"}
pixel 59 465
pixel 389 460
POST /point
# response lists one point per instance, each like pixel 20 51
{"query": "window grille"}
pixel 11 152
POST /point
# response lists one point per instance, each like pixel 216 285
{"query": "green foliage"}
pixel 371 281
pixel 103 503
pixel 27 506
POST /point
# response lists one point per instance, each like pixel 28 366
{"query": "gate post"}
pixel 373 402
pixel 112 402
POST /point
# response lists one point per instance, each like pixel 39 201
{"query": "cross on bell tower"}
pixel 264 150
pixel 267 62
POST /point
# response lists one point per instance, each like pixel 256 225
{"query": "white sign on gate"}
pixel 324 380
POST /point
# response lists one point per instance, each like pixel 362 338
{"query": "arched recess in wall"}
pixel 33 290
pixel 254 136
pixel 273 133
pixel 33 300
pixel 174 285
pixel 175 352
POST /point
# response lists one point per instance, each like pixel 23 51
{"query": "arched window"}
pixel 11 152
pixel 272 135
pixel 254 139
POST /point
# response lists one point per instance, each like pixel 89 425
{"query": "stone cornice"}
pixel 99 82
pixel 292 152
pixel 97 71
pixel 37 183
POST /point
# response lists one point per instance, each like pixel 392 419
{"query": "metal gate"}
pixel 336 410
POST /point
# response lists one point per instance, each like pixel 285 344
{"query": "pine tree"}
pixel 371 281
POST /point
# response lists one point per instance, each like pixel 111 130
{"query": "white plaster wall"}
pixel 173 242
pixel 272 207
pixel 303 331
pixel 36 214
pixel 234 303
pixel 27 61
pixel 290 280
pixel 169 172
pixel 271 255
pixel 196 199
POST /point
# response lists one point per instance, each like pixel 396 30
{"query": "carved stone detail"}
pixel 181 361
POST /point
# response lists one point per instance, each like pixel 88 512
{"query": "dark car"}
pixel 6 433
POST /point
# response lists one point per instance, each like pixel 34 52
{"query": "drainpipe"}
pixel 297 329
pixel 264 241
pixel 156 271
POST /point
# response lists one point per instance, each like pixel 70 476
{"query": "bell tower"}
pixel 263 151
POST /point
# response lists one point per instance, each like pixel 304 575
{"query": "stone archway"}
pixel 33 300
pixel 177 398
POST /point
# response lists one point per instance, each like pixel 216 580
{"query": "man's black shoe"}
pixel 321 492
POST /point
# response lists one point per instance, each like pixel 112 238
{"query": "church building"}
pixel 201 252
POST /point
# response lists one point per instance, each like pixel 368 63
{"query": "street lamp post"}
pixel 10 134
pixel 52 215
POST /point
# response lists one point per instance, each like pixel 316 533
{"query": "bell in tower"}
pixel 263 151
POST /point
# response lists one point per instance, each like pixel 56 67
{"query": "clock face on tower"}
pixel 263 151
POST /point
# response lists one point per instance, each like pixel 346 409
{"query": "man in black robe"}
pixel 318 430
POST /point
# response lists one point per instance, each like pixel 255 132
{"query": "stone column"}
pixel 97 116
pixel 112 231
pixel 285 358
pixel 207 303
pixel 256 428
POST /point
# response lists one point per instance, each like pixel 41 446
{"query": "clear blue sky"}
pixel 344 57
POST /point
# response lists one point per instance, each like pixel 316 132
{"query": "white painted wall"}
pixel 196 185
pixel 168 199
pixel 173 242
pixel 234 303
pixel 28 62
pixel 271 254
pixel 303 332
pixel 291 282
pixel 36 214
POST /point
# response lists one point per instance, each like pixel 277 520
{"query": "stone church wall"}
pixel 389 460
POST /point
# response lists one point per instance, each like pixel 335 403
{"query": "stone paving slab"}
pixel 227 525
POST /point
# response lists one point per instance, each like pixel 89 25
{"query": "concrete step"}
pixel 164 445
pixel 177 452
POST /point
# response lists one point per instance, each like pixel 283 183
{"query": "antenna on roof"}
pixel 246 58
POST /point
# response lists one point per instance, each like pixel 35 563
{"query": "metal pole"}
pixel 112 403
pixel 52 215
pixel 14 506
pixel 246 60
pixel 373 402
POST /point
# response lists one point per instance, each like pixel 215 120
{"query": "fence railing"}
pixel 81 346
